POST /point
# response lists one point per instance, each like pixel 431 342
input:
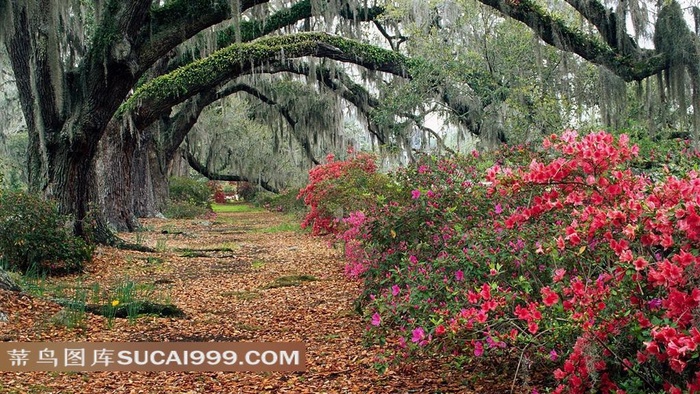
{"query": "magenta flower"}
pixel 415 194
pixel 402 342
pixel 395 290
pixel 498 209
pixel 459 275
pixel 413 259
pixel 553 355
pixel 478 349
pixel 418 335
pixel 376 319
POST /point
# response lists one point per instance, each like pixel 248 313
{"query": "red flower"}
pixel 440 330
pixel 549 297
pixel 640 263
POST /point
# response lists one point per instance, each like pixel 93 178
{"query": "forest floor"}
pixel 247 276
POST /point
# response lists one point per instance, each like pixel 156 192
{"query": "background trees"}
pixel 110 90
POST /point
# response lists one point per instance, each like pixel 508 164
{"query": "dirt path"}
pixel 238 277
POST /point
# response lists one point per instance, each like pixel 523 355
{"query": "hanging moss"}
pixel 173 10
pixel 557 32
pixel 679 46
pixel 250 30
pixel 226 63
pixel 107 31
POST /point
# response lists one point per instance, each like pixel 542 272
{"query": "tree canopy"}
pixel 102 84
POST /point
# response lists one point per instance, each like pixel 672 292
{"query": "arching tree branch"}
pixel 179 20
pixel 630 66
pixel 168 90
pixel 204 171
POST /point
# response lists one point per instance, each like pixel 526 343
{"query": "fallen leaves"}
pixel 237 279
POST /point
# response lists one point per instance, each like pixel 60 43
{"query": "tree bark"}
pixel 150 175
pixel 114 170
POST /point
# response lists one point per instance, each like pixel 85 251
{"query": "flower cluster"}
pixel 333 188
pixel 566 255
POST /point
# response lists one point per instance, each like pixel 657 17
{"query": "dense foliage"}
pixel 184 189
pixel 247 191
pixel 285 201
pixel 188 198
pixel 564 256
pixel 34 239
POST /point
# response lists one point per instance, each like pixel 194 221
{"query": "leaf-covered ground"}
pixel 241 276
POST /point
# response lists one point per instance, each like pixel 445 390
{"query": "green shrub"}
pixel 34 239
pixel 188 190
pixel 184 210
pixel 286 201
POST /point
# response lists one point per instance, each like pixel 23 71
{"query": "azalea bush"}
pixel 247 191
pixel 339 187
pixel 218 192
pixel 564 257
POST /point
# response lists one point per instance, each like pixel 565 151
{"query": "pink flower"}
pixel 376 319
pixel 553 355
pixel 640 263
pixel 558 274
pixel 459 275
pixel 415 194
pixel 498 209
pixel 533 327
pixel 478 349
pixel 418 335
pixel 413 259
pixel 395 290
pixel 402 342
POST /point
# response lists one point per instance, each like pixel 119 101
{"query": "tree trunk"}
pixel 150 175
pixel 73 186
pixel 114 169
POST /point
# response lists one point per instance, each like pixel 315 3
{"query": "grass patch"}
pixel 235 208
pixel 162 244
pixel 192 253
pixel 291 280
pixel 257 264
pixel 206 252
pixel 241 295
pixel 154 260
pixel 124 299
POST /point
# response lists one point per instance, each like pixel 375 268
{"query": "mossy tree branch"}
pixel 179 20
pixel 557 33
pixel 179 125
pixel 606 22
pixel 162 93
pixel 250 30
